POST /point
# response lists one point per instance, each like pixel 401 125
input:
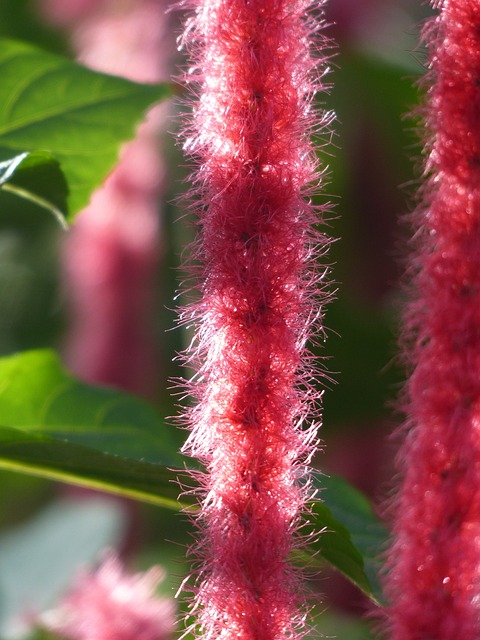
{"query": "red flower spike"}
pixel 255 72
pixel 433 582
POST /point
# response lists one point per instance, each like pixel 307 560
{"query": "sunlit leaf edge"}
pixel 30 136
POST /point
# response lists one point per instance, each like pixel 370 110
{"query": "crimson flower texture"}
pixel 433 583
pixel 256 67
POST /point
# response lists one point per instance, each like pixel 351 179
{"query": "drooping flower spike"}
pixel 255 70
pixel 433 583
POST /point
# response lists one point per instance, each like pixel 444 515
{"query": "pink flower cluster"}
pixel 255 69
pixel 110 604
pixel 433 582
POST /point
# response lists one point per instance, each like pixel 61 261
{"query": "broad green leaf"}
pixel 39 558
pixel 352 536
pixel 38 395
pixel 58 427
pixel 80 117
pixel 57 459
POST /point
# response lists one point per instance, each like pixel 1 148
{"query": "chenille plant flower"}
pixel 255 69
pixel 433 582
pixel 110 603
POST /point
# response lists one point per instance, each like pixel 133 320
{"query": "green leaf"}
pixel 57 427
pixel 60 428
pixel 80 117
pixel 54 459
pixel 35 177
pixel 352 536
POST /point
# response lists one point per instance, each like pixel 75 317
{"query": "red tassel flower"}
pixel 256 72
pixel 434 564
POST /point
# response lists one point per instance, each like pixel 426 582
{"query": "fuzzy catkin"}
pixel 433 583
pixel 255 72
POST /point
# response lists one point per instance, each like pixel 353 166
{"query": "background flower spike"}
pixel 433 582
